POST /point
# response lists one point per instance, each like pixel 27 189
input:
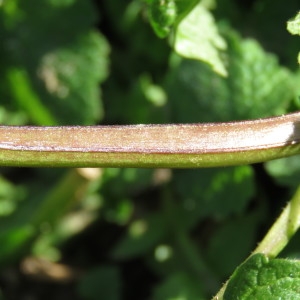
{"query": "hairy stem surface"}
pixel 174 146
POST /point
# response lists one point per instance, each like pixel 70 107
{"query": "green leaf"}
pixel 195 33
pixel 64 58
pixel 293 26
pixel 213 191
pixel 71 75
pixel 162 16
pixel 263 278
pixel 179 286
pixel 197 37
pixel 101 283
pixel 256 86
pixel 165 14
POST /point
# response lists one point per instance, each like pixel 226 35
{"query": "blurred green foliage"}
pixel 52 61
pixel 136 233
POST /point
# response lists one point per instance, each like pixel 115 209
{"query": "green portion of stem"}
pixel 173 146
pixel 282 230
pixel 138 160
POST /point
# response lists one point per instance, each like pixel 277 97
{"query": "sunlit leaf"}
pixel 197 37
pixel 263 278
pixel 256 86
pixel 293 26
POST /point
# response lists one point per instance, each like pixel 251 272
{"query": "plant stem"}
pixel 174 146
pixel 282 230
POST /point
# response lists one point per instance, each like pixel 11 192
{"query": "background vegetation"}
pixel 138 233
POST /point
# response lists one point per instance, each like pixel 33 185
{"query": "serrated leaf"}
pixel 197 37
pixel 263 278
pixel 256 86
